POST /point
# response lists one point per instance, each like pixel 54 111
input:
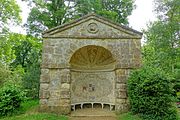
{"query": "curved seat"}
pixel 73 105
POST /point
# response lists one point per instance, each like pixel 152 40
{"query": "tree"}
pixel 51 13
pixel 163 39
pixel 46 14
pixel 28 55
pixel 116 10
pixel 163 35
pixel 9 13
pixel 22 53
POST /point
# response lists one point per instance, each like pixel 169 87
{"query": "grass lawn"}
pixel 128 116
pixel 28 111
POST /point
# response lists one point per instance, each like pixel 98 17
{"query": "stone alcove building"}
pixel 87 61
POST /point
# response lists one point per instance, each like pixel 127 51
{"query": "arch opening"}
pixel 92 58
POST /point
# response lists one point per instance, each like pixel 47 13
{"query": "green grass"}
pixel 128 116
pixel 29 111
pixel 38 116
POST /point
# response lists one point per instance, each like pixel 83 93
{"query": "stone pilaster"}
pixel 44 89
pixel 65 103
pixel 122 104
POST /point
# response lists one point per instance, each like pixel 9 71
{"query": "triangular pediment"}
pixel 92 26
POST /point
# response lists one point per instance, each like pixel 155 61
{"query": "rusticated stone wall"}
pixel 88 60
pixel 58 52
pixel 55 90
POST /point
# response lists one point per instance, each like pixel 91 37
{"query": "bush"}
pixel 5 74
pixel 150 94
pixel 11 97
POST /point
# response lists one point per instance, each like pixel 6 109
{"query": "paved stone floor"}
pixel 92 114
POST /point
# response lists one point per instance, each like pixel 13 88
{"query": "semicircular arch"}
pixel 92 57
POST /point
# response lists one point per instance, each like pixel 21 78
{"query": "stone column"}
pixel 122 104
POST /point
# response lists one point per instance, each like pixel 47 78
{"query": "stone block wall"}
pixel 61 43
pixel 56 75
pixel 55 91
pixel 57 53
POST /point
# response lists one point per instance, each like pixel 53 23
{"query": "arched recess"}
pixel 92 76
pixel 92 58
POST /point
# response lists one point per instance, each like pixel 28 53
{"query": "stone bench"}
pixel 73 105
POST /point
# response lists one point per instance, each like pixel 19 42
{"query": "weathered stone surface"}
pixel 65 76
pixel 122 108
pixel 45 77
pixel 121 94
pixel 43 101
pixel 121 101
pixel 44 86
pixel 88 60
pixel 53 102
pixel 121 79
pixel 65 102
pixel 121 87
pixel 122 75
pixel 65 94
pixel 55 94
pixel 122 52
pixel 44 94
pixel 65 86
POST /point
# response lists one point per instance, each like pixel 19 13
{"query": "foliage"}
pixel 11 97
pixel 6 51
pixel 4 74
pixel 151 95
pixel 164 44
pixel 23 54
pixel 162 47
pixel 10 13
pixel 8 76
pixel 28 55
pixel 48 14
pixel 11 92
pixel 31 80
pixel 116 10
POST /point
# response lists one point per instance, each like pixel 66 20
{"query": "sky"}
pixel 139 19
